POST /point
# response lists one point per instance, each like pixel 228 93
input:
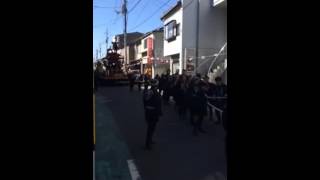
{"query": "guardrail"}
pixel 213 106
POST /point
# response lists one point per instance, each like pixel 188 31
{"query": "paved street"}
pixel 177 154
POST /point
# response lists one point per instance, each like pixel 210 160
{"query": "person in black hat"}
pixel 153 110
pixel 198 106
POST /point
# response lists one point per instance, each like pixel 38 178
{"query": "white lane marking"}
pixel 94 166
pixel 133 170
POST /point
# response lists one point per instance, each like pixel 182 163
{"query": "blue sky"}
pixel 105 17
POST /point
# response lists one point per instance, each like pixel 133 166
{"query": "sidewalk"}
pixel 111 151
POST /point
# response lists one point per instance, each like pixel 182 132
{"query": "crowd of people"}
pixel 193 97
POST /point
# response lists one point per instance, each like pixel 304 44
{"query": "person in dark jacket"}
pixel 220 92
pixel 171 87
pixel 146 85
pixel 141 81
pixel 166 89
pixel 131 77
pixel 198 107
pixel 209 91
pixel 157 77
pixel 181 97
pixel 161 83
pixel 153 110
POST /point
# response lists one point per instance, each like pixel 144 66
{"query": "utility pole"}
pixel 197 36
pixel 107 38
pixel 97 54
pixel 100 50
pixel 124 12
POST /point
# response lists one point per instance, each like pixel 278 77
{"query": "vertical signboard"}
pixel 150 49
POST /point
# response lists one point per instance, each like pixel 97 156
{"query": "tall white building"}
pixel 180 33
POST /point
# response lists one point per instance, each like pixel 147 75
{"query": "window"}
pixel 145 44
pixel 177 29
pixel 170 29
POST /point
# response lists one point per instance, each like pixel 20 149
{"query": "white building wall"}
pixel 189 23
pixel 158 44
pixel 213 25
pixel 158 53
pixel 212 28
pixel 138 49
pixel 173 47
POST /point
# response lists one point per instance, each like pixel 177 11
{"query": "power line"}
pixel 154 13
pixel 159 2
pixel 116 19
pixel 134 6
pixel 99 25
pixel 112 21
pixel 145 5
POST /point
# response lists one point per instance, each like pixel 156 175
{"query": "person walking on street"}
pixel 153 110
pixel 131 77
pixel 181 97
pixel 146 86
pixel 198 107
pixel 166 93
pixel 220 92
pixel 157 77
pixel 142 79
pixel 209 91
pixel 161 83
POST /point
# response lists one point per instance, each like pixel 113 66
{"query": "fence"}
pixel 205 58
pixel 216 108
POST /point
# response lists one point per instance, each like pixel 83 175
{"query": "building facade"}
pixel 172 49
pixel 131 39
pixel 181 33
pixel 149 53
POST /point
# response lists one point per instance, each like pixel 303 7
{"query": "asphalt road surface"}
pixel 177 154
